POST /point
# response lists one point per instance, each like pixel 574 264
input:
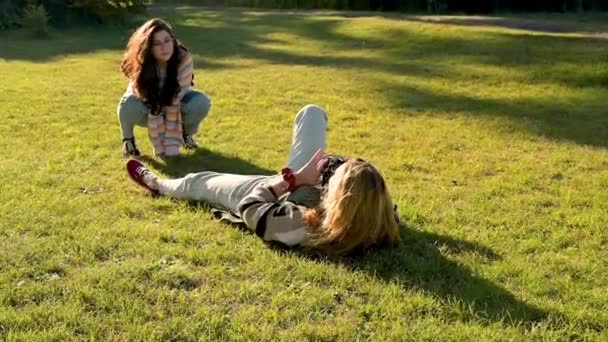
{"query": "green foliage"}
pixel 66 12
pixel 36 19
pixel 9 13
pixel 106 10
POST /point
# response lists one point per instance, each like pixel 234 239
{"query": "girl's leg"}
pixel 131 111
pixel 218 189
pixel 195 107
pixel 227 190
pixel 309 135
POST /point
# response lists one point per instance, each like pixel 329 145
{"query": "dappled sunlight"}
pixel 19 46
pixel 536 25
pixel 492 141
pixel 546 113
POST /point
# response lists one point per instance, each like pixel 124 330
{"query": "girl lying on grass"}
pixel 320 202
pixel 159 95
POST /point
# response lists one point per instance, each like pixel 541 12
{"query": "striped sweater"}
pixel 281 219
pixel 273 219
pixel 165 131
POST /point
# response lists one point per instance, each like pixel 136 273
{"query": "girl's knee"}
pixel 311 111
pixel 131 108
pixel 198 104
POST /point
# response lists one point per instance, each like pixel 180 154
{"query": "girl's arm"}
pixel 273 220
pixel 270 219
pixel 185 72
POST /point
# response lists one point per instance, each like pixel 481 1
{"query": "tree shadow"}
pixel 216 35
pixel 205 160
pixel 408 52
pixel 19 45
pixel 532 58
pixel 397 51
pixel 403 50
pixel 537 25
pixel 419 263
pixel 583 123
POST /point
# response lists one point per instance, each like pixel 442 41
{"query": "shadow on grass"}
pixel 217 35
pixel 418 263
pixel 538 25
pixel 205 160
pixel 19 45
pixel 583 123
pixel 408 52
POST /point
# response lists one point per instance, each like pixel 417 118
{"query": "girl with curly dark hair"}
pixel 159 96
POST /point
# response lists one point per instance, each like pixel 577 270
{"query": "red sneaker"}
pixel 141 175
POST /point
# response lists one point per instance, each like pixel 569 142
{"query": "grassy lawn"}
pixel 493 140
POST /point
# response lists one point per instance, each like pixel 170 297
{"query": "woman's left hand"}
pixel 310 174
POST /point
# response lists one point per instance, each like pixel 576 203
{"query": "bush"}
pixel 65 12
pixel 9 13
pixel 36 19
pixel 108 10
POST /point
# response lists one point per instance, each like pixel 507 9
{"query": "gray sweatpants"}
pixel 226 190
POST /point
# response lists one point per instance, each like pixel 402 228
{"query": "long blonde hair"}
pixel 357 213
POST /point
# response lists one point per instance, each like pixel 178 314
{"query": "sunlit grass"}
pixel 493 141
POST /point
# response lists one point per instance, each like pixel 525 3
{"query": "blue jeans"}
pixel 133 111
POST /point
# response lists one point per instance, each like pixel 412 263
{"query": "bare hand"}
pixel 310 174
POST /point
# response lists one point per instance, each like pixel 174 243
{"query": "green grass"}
pixel 493 141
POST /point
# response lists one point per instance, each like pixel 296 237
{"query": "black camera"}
pixel 333 162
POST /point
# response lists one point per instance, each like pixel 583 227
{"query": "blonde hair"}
pixel 356 213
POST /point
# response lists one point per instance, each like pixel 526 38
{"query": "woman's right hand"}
pixel 310 174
